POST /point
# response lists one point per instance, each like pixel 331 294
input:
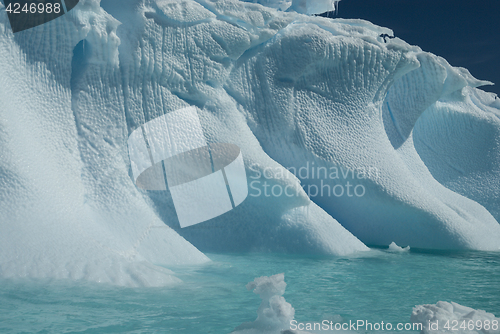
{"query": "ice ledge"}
pixel 300 6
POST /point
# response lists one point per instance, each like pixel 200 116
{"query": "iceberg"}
pixel 290 90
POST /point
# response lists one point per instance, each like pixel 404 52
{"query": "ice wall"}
pixel 70 97
pixel 183 56
pixel 68 207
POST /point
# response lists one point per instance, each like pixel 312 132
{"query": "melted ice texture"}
pixel 287 88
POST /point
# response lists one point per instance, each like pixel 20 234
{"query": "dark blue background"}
pixel 466 33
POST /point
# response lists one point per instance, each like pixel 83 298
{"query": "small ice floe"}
pixel 395 248
pixel 444 317
pixel 274 314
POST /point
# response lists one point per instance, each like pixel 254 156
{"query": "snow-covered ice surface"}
pixel 287 88
pixel 300 6
pixel 313 6
pixel 444 317
pixel 282 5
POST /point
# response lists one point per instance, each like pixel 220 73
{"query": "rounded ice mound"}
pixel 466 161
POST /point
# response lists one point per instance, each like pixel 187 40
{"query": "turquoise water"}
pixel 377 286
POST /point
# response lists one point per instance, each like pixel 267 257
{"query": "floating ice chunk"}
pixel 300 6
pixel 445 317
pixel 395 248
pixel 274 314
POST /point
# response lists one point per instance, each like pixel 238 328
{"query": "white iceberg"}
pixel 288 89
